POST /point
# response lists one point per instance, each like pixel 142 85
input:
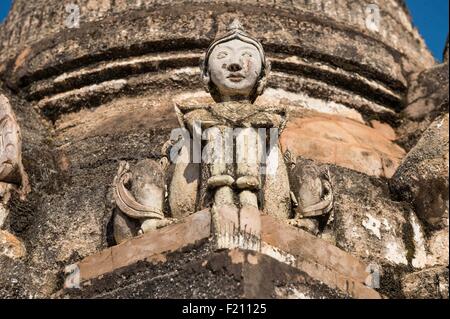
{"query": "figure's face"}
pixel 234 68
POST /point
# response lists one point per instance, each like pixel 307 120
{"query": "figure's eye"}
pixel 247 54
pixel 221 55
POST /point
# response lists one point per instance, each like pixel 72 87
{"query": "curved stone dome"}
pixel 327 50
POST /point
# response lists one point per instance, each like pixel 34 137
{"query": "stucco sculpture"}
pixel 312 196
pixel 12 173
pixel 234 72
pixel 241 168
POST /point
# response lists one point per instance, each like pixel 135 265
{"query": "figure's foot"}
pixel 310 225
pixel 149 225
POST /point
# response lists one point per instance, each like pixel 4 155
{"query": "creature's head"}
pixel 235 66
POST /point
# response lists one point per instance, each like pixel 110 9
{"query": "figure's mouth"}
pixel 235 77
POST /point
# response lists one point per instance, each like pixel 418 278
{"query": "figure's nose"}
pixel 234 67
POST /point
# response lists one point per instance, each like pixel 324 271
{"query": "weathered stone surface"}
pixel 396 29
pixel 300 243
pixel 3 214
pixel 159 12
pixel 430 247
pixel 139 193
pixel 428 93
pixel 336 140
pixel 276 190
pixel 311 195
pixel 354 59
pixel 427 99
pixel 11 246
pixel 16 279
pixel 183 187
pixel 422 178
pixel 319 259
pixel 237 228
pixel 426 284
pixel 265 277
pixel 124 227
pixel 149 246
pixel 384 129
pixel 35 275
pixel 202 273
pixel 367 222
pixel 118 117
pixel 437 247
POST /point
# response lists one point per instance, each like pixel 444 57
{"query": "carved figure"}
pixel 12 173
pixel 233 170
pixel 312 196
pixel 139 195
pixel 235 73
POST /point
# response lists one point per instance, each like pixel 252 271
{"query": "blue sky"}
pixel 430 17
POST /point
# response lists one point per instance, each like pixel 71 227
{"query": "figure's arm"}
pixel 188 115
pixel 268 117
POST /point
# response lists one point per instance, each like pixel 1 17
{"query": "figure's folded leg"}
pixel 184 186
pixel 217 156
pixel 248 166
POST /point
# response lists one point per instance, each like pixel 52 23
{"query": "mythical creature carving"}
pixel 140 196
pixel 312 195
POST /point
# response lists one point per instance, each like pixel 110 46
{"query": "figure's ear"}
pixel 204 74
pixel 205 81
pixel 263 81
